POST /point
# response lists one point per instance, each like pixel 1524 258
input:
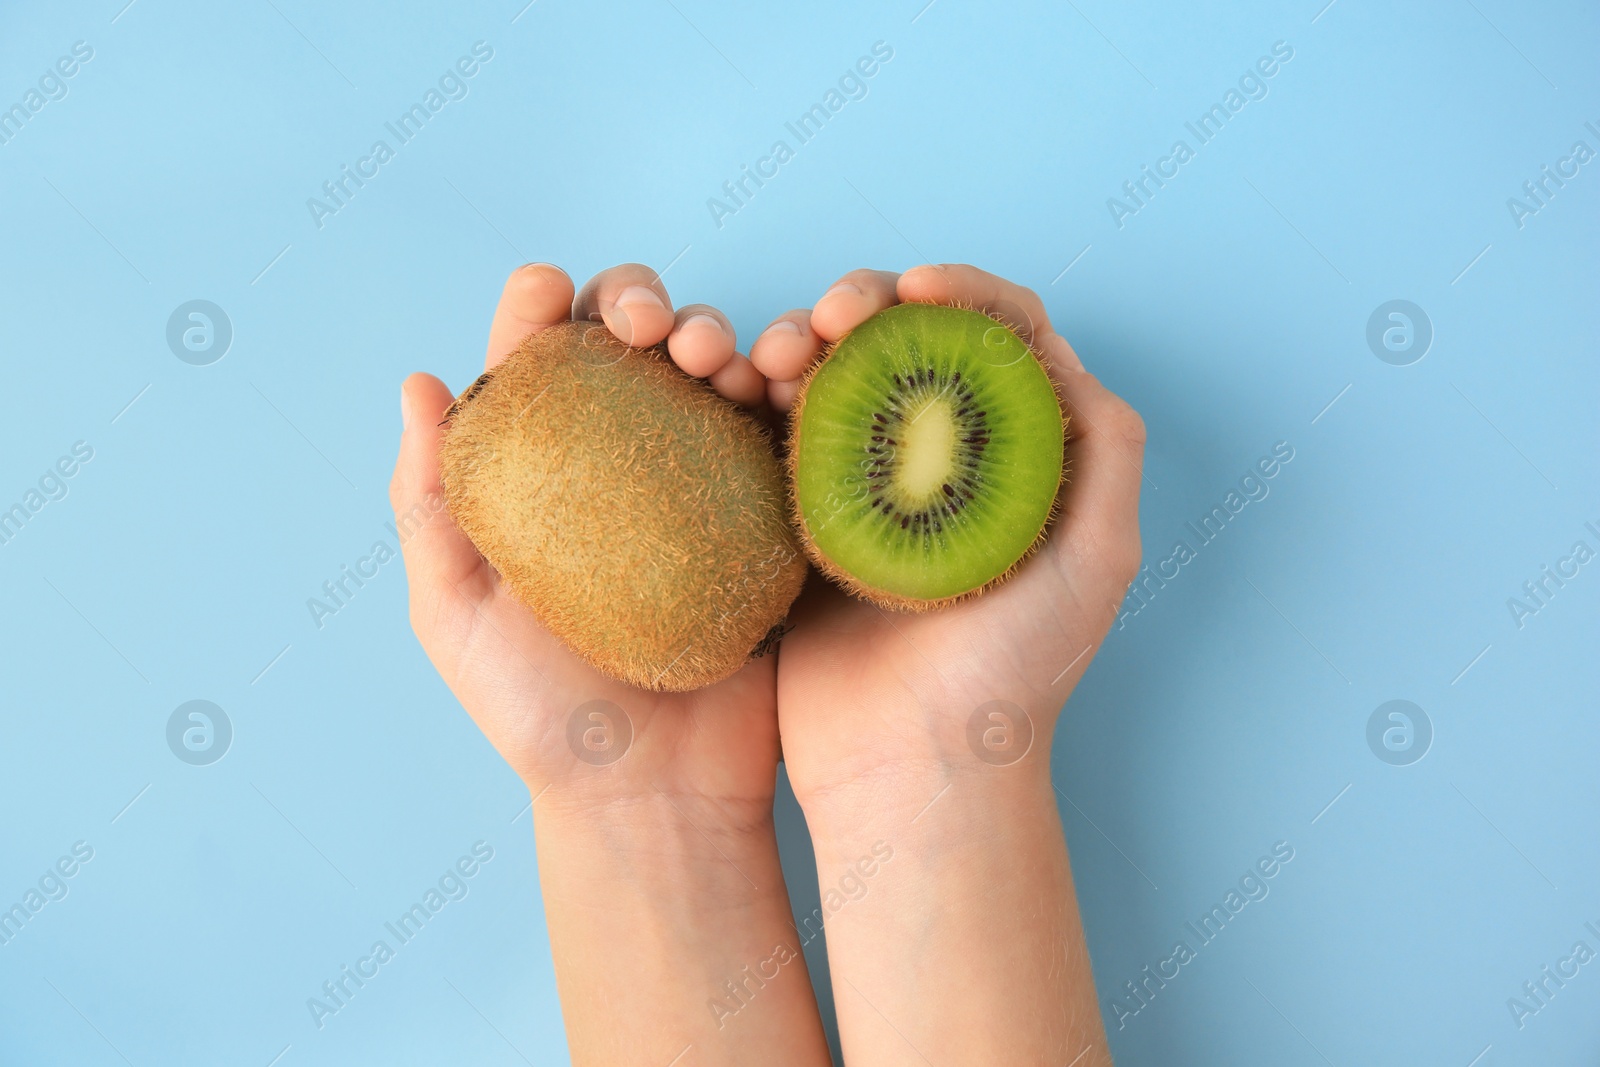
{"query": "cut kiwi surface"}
pixel 926 452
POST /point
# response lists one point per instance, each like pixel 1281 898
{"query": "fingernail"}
pixel 784 326
pixel 638 296
pixel 843 287
pixel 703 320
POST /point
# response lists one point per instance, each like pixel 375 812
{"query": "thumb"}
pixel 440 560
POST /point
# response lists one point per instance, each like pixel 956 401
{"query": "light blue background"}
pixel 1223 717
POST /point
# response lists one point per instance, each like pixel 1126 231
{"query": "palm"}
pixel 853 668
pixel 849 670
pixel 525 690
pixel 561 724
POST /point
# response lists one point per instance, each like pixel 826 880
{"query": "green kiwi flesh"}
pixel 926 454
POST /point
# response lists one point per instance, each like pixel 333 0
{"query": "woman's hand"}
pixel 866 694
pixel 658 858
pixel 926 737
pixel 518 682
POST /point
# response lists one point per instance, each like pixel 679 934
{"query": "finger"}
pixel 957 283
pixel 536 295
pixel 786 348
pixel 781 395
pixel 630 300
pixel 1105 453
pixel 853 298
pixel 437 554
pixel 1058 354
pixel 740 382
pixel 701 341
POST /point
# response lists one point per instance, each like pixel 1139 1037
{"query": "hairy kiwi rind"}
pixel 642 518
pixel 885 598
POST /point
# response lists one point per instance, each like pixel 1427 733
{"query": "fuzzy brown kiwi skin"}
pixel 771 567
pixel 883 598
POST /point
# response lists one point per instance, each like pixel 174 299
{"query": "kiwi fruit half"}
pixel 642 517
pixel 926 452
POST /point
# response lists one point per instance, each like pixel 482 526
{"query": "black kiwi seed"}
pixel 998 427
pixel 972 430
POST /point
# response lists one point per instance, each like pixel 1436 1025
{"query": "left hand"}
pixel 864 693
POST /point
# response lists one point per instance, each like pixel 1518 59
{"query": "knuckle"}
pixel 397 491
pixel 1129 426
pixel 1024 294
pixel 1132 557
pixel 419 618
pixel 801 317
pixel 1124 556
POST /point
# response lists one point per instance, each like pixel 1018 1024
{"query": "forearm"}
pixel 671 929
pixel 966 946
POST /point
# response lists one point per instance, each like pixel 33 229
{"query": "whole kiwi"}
pixel 640 516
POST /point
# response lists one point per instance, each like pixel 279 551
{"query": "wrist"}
pixel 994 753
pixel 958 900
pixel 913 797
pixel 686 892
pixel 723 847
pixel 716 761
